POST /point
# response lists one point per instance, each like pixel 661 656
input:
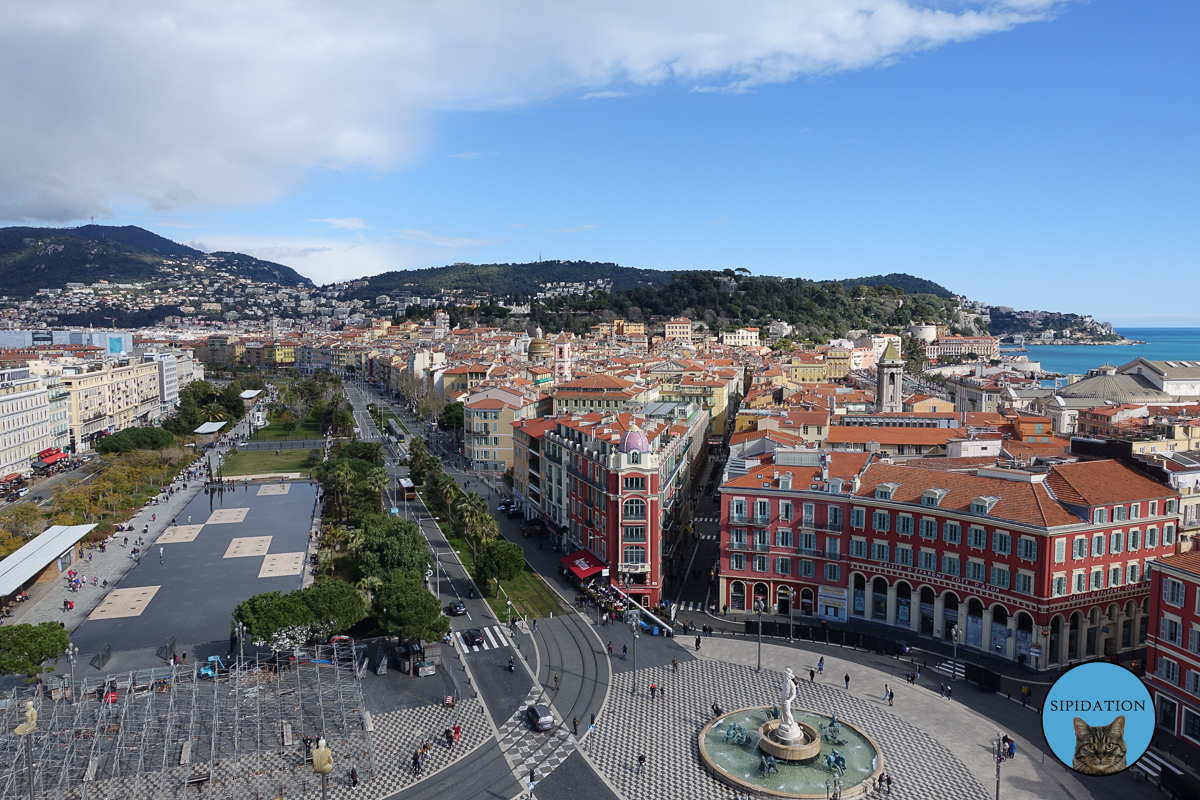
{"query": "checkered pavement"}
pixel 665 730
pixel 532 752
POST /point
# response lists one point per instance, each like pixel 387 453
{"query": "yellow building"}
pixel 709 393
pixel 808 368
pixel 837 363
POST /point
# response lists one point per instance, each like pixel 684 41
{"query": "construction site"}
pixel 211 730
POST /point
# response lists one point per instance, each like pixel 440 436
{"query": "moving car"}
pixel 458 608
pixel 901 648
pixel 539 717
pixel 473 637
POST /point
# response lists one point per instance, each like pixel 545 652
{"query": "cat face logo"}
pixel 1098 719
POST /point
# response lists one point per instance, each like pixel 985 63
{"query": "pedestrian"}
pixel 624 652
pixel 160 554
pixel 183 657
pixel 725 610
pixel 821 666
pixel 812 676
pixel 917 676
pixel 879 783
pixel 353 778
pixel 885 691
pixel 891 697
pixel 653 690
pixel 189 519
pixel 125 543
pixel 949 692
pixel 416 762
pixel 535 625
pixel 889 784
pixel 942 690
pixel 556 681
pixel 641 764
pixel 847 681
pixel 575 725
pixel 1024 695
pixel 457 733
pixel 609 647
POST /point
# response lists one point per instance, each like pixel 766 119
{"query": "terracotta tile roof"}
pixel 854 434
pixel 1186 562
pixel 1098 483
pixel 952 464
pixel 1024 503
pixel 841 465
pixel 775 436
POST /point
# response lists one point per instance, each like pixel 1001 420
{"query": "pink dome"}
pixel 634 439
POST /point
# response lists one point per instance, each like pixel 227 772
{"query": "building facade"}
pixel 1173 647
pixel 24 420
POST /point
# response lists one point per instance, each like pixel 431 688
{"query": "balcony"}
pixel 737 519
pixel 762 547
pixel 760 519
pixel 737 545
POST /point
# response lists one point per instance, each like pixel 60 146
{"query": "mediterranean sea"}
pixel 1161 344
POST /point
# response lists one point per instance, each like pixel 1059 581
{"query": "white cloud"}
pixel 425 237
pixel 603 95
pixel 587 226
pixel 202 104
pixel 348 223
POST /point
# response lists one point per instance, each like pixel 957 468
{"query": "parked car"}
pixel 901 648
pixel 535 527
pixel 514 512
pixel 539 717
pixel 458 608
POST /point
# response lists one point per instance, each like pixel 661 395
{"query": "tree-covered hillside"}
pixel 503 280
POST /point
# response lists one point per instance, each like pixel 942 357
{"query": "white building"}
pixel 742 337
pixel 24 420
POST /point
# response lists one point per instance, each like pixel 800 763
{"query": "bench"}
pixel 185 757
pixel 287 734
pixel 196 779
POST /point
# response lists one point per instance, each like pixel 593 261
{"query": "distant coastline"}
pixel 1077 343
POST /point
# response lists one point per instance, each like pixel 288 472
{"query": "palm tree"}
pixel 373 452
pixel 379 478
pixel 340 479
pixel 447 489
pixel 473 510
pixel 213 412
pixel 367 588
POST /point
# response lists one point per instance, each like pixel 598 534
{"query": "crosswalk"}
pixel 1155 765
pixel 493 638
pixel 691 605
pixel 952 668
pixel 707 519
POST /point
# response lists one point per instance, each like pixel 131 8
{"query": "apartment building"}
pixel 742 337
pixel 108 396
pixel 1020 562
pixel 678 330
pixel 1173 647
pixel 24 420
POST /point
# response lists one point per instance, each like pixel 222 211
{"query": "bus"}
pixel 410 491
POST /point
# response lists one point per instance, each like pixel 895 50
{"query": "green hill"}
pixel 505 279
pixel 42 258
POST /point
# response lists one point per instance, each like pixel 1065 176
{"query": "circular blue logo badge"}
pixel 1098 718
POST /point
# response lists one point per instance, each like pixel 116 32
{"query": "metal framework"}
pixel 156 733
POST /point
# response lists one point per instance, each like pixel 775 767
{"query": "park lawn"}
pixel 262 462
pixel 309 429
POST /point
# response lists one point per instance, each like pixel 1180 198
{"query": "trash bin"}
pixel 1138 775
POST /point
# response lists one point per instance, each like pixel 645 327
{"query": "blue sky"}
pixel 1044 162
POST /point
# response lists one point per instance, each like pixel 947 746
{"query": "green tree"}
pixel 25 648
pixel 501 560
pixel 452 418
pixel 373 452
pixel 22 521
pixel 279 621
pixel 407 610
pixel 379 479
pixel 334 606
pixel 213 412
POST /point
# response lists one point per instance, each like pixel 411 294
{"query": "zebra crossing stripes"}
pixel 952 668
pixel 691 605
pixel 707 519
pixel 493 639
pixel 1155 765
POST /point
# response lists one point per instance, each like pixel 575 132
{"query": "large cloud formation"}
pixel 209 104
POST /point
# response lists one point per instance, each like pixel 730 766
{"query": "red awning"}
pixel 583 564
pixel 11 477
pixel 55 458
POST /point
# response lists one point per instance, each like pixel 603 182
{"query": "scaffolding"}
pixel 234 732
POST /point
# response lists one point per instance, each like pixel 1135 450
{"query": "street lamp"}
pixel 633 617
pixel 760 605
pixel 791 610
pixel 954 634
pixel 999 755
pixel 240 627
pixel 72 653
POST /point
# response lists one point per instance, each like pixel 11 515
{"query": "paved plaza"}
pixel 250 542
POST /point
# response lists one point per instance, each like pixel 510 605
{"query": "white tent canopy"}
pixel 39 553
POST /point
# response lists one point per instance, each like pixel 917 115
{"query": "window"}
pixel 737 561
pixel 1115 541
pixel 1174 592
pixel 976 537
pixel 1027 548
pixel 881 521
pixel 833 572
pixel 1120 514
pixel 737 537
pixel 1154 508
pixel 1194 640
pixel 1168 534
pixel 783 566
pixel 762 563
pixel 1135 540
pixel 951 565
pixel 1060 585
pixel 783 538
pixel 762 509
pixel 807 541
pixel 808 512
pixel 737 509
pixel 635 533
pixel 1001 542
pixel 1080 583
pixel 634 554
pixel 927 559
pixel 635 509
pixel 1151 537
pixel 1024 583
pixel 1192 725
pixel 1097 579
pixel 952 532
pixel 1171 506
pixel 975 570
pixel 904 556
pixel 858 548
pixel 1135 510
pixel 1171 630
pixel 762 540
pixel 635 457
pixel 833 546
pixel 879 552
pixel 1132 572
pixel 1167 670
pixel 904 524
pixel 983 505
pixel 884 490
pixel 1100 516
pixel 785 509
pixel 933 497
pixel 1000 577
pixel 807 568
pixel 835 518
pixel 635 483
pixel 1114 576
pixel 929 528
pixel 858 518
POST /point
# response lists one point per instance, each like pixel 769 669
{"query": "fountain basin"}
pixel 737 765
pixel 806 748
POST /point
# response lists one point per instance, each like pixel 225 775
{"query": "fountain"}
pixel 769 751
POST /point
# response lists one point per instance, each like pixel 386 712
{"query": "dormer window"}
pixel 785 481
pixel 835 485
pixel 983 505
pixel 933 497
pixel 884 491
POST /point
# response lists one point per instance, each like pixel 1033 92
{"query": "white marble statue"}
pixel 788 729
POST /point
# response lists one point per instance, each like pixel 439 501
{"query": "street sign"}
pixel 1035 651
